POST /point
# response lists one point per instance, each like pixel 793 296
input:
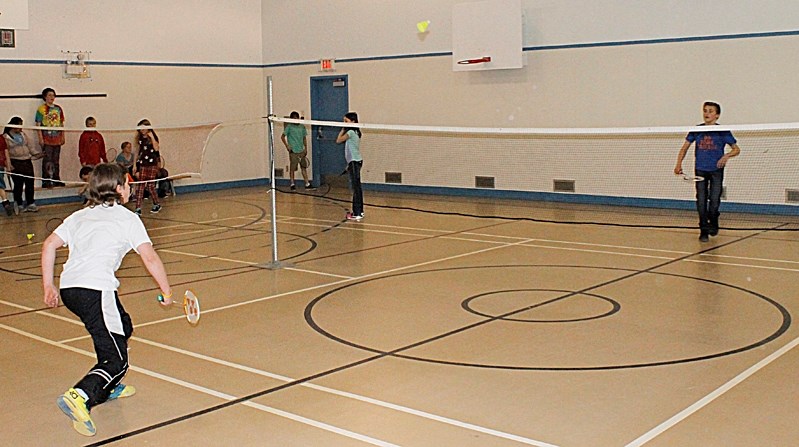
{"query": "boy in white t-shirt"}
pixel 98 237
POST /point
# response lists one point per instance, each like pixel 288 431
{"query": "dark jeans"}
pixel 354 169
pixel 110 327
pixel 22 167
pixel 51 164
pixel 708 199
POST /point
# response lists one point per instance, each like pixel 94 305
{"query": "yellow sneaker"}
pixel 74 406
pixel 122 390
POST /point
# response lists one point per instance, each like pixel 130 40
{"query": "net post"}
pixel 275 263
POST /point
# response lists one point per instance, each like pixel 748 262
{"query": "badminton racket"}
pixel 53 223
pixel 690 178
pixel 191 306
pixel 111 155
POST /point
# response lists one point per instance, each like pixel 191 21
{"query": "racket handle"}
pixel 162 297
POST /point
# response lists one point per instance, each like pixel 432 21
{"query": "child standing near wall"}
pixel 21 151
pixel 295 139
pixel 351 137
pixel 50 114
pixel 5 164
pixel 147 165
pixel 91 146
pixel 710 163
pixel 98 237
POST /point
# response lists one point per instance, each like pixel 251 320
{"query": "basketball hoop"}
pixel 479 60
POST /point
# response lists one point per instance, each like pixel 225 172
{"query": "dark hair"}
pixel 86 122
pixel 46 91
pixel 16 121
pixel 146 122
pixel 103 184
pixel 294 115
pixel 713 104
pixel 352 116
pixel 125 143
pixel 86 170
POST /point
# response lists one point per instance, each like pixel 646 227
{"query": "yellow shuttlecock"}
pixel 422 26
pixel 30 235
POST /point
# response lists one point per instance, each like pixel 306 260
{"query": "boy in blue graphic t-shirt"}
pixel 710 162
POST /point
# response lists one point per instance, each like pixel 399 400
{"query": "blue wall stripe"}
pixel 585 199
pixel 421 55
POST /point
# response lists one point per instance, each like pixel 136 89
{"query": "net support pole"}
pixel 270 137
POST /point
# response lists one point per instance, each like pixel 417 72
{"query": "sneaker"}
pixel 703 237
pixel 155 209
pixel 137 211
pixel 74 406
pixel 32 208
pixel 16 209
pixel 293 187
pixel 47 184
pixel 355 217
pixel 121 391
pixel 309 187
pixel 9 209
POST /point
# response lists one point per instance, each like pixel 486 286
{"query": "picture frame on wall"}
pixel 7 38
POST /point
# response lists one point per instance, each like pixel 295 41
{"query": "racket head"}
pixel 191 307
pixel 53 223
pixel 691 178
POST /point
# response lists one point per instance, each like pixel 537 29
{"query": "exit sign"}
pixel 327 65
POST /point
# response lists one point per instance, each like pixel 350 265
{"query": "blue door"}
pixel 329 102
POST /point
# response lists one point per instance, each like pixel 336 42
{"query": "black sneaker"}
pixel 703 237
pixel 9 208
pixel 309 187
pixel 293 187
pixel 155 209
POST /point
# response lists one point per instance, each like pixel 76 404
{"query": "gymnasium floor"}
pixel 421 329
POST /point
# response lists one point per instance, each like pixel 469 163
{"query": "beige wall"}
pixel 228 48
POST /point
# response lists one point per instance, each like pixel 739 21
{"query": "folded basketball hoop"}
pixel 479 60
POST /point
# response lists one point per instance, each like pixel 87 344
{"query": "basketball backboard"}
pixel 489 29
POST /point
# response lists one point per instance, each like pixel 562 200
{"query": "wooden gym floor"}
pixel 420 329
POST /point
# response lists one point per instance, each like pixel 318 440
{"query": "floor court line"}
pixel 718 392
pixel 419 413
pixel 400 408
pixel 435 417
pixel 753 370
pixel 214 393
pixel 376 402
pixel 590 244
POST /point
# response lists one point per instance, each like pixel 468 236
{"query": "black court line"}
pixel 786 320
pixel 382 355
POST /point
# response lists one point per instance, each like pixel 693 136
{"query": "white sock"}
pixel 82 393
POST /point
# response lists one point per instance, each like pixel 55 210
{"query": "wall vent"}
pixel 792 196
pixel 483 182
pixel 393 177
pixel 563 185
pixel 278 172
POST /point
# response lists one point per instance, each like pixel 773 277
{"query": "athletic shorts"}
pixel 298 158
